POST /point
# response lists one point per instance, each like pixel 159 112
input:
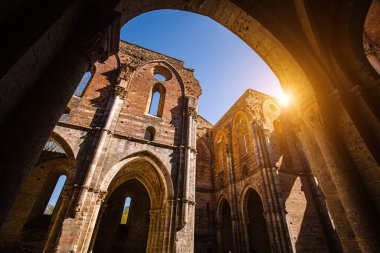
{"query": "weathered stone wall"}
pixel 304 223
pixel 263 154
pixel 204 195
pixel 104 137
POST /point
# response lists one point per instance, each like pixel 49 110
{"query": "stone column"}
pixel 27 127
pixel 185 237
pixel 235 214
pixel 275 214
pixel 360 154
pixel 85 216
pixel 355 224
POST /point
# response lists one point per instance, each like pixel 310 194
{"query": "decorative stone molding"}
pixel 255 106
pixel 120 92
pixel 137 57
pixel 101 197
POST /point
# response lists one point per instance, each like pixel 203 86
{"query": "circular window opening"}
pixel 159 77
pixel 161 73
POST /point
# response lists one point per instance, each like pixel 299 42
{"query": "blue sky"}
pixel 224 65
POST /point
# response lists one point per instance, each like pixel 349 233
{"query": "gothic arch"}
pixel 165 189
pixel 224 233
pixel 242 138
pixel 172 69
pixel 255 228
pixel 71 159
pixel 221 168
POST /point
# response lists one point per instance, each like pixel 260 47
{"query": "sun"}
pixel 285 99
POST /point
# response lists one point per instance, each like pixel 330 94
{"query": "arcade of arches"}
pixel 305 178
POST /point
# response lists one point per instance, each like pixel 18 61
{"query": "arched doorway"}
pixel 257 232
pixel 135 210
pixel 225 228
pixel 124 225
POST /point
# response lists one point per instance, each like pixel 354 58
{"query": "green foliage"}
pixel 124 217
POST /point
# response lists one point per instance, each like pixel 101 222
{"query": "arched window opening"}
pixel 241 137
pixel 83 84
pixel 220 148
pixel 150 133
pixel 126 208
pixel 157 100
pixel 155 103
pixel 161 73
pixel 49 209
pixel 65 116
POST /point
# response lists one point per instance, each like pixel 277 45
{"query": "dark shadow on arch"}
pixel 258 238
pixel 113 235
pixel 224 226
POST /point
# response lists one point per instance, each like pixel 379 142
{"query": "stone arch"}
pixel 242 24
pixel 255 229
pixel 56 137
pixel 221 169
pixel 161 170
pixel 242 140
pixel 149 171
pixel 28 212
pixel 174 71
pixel 224 227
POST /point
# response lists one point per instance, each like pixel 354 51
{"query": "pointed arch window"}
pixel 157 99
pixel 49 209
pixel 83 84
pixel 126 208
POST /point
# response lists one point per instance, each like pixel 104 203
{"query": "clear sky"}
pixel 224 65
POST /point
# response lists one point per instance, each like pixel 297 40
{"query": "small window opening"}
pixel 161 73
pixel 49 209
pixel 155 103
pixel 83 84
pixel 150 133
pixel 127 205
pixel 245 151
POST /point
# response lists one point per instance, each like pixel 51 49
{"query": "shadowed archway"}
pixel 129 236
pixel 258 238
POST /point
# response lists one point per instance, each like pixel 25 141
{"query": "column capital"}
pixel 120 92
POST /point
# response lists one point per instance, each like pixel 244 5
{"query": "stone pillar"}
pixel 355 224
pixel 360 154
pixel 235 214
pixel 185 237
pixel 275 214
pixel 28 126
pixel 85 216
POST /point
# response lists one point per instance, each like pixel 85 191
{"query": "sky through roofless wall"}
pixel 224 65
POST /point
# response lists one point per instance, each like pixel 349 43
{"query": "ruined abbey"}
pixel 139 170
pixel 130 141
